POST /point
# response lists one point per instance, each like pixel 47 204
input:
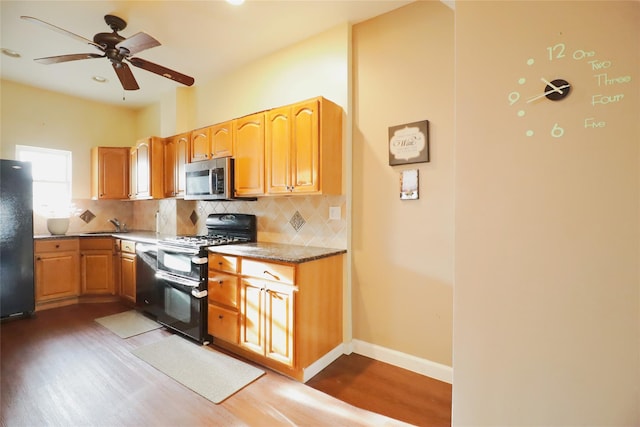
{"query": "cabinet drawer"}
pixel 223 324
pixel 282 273
pixel 89 243
pixel 56 245
pixel 226 263
pixel 128 246
pixel 223 288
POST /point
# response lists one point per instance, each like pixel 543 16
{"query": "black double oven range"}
pixel 174 289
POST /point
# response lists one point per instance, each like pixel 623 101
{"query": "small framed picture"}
pixel 409 185
pixel 409 143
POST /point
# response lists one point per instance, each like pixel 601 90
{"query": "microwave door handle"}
pixel 212 185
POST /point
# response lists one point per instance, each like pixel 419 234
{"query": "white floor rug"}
pixel 128 323
pixel 209 373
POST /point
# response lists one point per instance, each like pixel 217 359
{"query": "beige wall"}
pixel 546 325
pixel 314 67
pixel 403 249
pixel 36 117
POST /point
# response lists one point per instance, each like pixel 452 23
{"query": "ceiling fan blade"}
pixel 138 42
pixel 66 58
pixel 62 31
pixel 125 75
pixel 162 71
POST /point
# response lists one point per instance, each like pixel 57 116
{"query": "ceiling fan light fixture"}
pixel 99 79
pixel 10 53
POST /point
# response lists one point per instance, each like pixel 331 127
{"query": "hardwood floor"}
pixel 61 368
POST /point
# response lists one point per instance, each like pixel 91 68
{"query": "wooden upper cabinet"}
pixel 303 145
pixel 277 147
pixel 147 168
pixel 249 155
pixel 200 143
pixel 221 140
pixel 212 142
pixel 176 155
pixel 109 173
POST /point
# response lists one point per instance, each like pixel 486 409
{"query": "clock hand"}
pixel 548 92
pixel 555 89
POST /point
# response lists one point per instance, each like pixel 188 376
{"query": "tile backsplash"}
pixel 301 220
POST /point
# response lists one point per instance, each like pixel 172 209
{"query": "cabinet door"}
pixel 249 155
pixel 279 324
pixel 128 276
pixel 252 315
pixel 56 275
pixel 142 184
pixel 200 142
pixel 305 148
pixel 221 140
pixel 96 272
pixel 278 146
pixel 223 289
pixel 110 173
pixel 223 323
pixel 170 166
pixel 182 158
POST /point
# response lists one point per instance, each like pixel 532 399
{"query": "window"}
pixel 51 179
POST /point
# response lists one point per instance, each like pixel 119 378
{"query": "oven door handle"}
pixel 180 281
pixel 176 250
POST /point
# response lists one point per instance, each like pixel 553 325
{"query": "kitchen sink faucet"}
pixel 119 227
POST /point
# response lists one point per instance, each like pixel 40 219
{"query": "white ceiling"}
pixel 202 39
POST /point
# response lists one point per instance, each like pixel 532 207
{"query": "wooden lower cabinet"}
pixel 266 325
pixel 96 266
pixel 287 316
pixel 56 269
pixel 128 276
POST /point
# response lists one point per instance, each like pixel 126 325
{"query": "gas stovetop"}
pixel 203 241
pixel 222 229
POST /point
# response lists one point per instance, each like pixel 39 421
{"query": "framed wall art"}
pixel 409 143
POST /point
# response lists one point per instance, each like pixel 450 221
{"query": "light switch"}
pixel 334 212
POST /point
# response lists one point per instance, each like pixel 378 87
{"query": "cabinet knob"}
pixel 38 259
pixel 220 316
pixel 220 282
pixel 57 246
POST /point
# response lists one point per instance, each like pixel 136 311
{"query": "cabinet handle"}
pixel 271 274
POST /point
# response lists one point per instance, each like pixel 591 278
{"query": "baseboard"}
pixel 317 366
pixel 406 361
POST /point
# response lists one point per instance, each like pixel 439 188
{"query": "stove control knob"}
pixel 199 261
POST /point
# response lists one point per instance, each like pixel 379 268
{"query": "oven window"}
pixel 177 263
pixel 177 304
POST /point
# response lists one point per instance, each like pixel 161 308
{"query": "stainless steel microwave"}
pixel 209 179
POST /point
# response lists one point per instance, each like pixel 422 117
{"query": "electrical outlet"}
pixel 334 212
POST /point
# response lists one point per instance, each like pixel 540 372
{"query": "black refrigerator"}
pixel 16 235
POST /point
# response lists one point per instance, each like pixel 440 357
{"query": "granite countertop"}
pixel 282 252
pixel 295 254
pixel 135 235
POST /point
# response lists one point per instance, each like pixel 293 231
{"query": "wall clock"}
pixel 549 80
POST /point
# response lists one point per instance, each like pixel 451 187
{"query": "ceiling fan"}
pixel 118 49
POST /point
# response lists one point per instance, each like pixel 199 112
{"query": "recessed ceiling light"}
pixel 11 53
pixel 99 79
pixel 235 2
